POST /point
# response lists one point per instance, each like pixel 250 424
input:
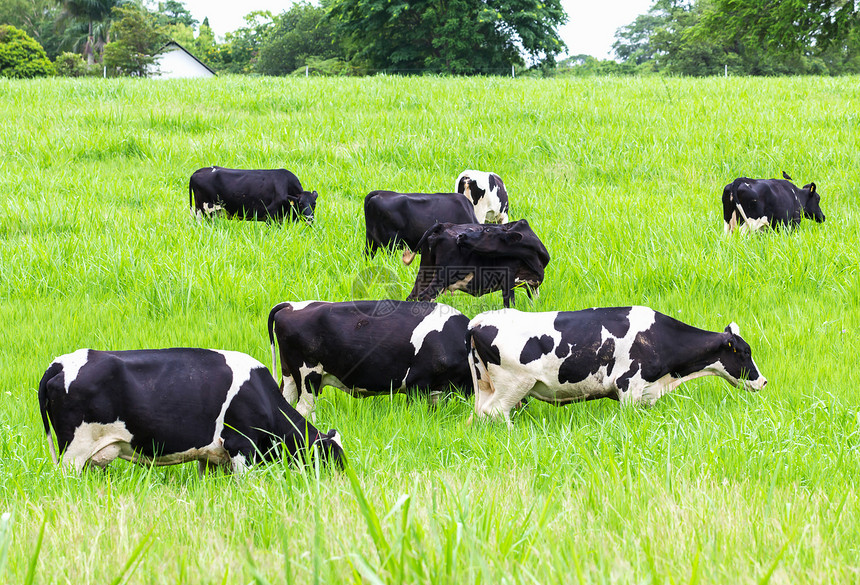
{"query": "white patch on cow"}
pixel 290 391
pixel 336 439
pixel 435 321
pixel 211 209
pixel 733 327
pixel 239 464
pixel 241 365
pixel 299 305
pixel 754 224
pixel 488 209
pixel 72 364
pixel 98 443
pixel 305 407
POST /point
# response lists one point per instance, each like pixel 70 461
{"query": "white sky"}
pixel 591 23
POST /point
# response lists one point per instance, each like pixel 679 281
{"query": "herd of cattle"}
pixel 223 408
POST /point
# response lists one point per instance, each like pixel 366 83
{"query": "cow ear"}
pixel 513 237
pixel 812 187
pixel 733 328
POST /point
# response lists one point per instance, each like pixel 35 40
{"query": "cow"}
pixel 394 220
pixel 487 193
pixel 368 348
pixel 752 204
pixel 478 259
pixel 169 406
pixel 250 194
pixel 631 354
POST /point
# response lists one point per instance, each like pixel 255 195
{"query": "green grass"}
pixel 622 180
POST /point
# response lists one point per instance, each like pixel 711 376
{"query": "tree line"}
pixel 459 37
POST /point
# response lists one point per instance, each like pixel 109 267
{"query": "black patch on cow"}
pixel 536 347
pixel 483 337
pixel 475 191
pixel 312 382
pixel 585 360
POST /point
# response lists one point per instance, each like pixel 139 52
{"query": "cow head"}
pixel 735 356
pixel 305 206
pixel 812 205
pixel 331 448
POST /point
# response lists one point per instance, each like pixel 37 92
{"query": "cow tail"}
pixel 736 200
pixel 53 370
pixel 409 255
pixel 478 369
pixel 271 328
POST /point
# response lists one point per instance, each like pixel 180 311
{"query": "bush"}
pixel 21 56
pixel 70 65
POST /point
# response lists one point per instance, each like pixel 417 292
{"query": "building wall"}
pixel 175 63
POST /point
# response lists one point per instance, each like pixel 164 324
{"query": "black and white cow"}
pixel 751 204
pixel 631 354
pixel 250 194
pixel 487 193
pixel 368 348
pixel 478 259
pixel 168 406
pixel 394 220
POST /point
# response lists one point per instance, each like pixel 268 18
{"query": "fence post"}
pixel 727 69
pixel 512 71
pixel 306 70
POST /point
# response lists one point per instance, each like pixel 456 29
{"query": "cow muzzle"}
pixel 755 385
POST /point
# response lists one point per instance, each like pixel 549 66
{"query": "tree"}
pixel 239 53
pixel 93 19
pixel 786 28
pixel 172 12
pixel 298 35
pixel 450 36
pixel 34 17
pixel 21 56
pixel 138 37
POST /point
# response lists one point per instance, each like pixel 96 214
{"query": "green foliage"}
pixel 239 52
pixel 36 18
pixel 173 12
pixel 138 37
pixel 450 36
pixel 329 67
pixel 70 65
pixel 750 37
pixel 21 56
pixel 297 36
pixel 585 65
pixel 88 25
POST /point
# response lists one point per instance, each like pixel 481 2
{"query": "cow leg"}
pixel 500 392
pixel 310 384
pixel 289 388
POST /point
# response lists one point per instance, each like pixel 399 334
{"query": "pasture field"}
pixel 622 180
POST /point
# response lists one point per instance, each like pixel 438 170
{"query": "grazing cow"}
pixel 250 194
pixel 755 203
pixel 487 193
pixel 394 220
pixel 368 348
pixel 168 406
pixel 632 354
pixel 478 259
